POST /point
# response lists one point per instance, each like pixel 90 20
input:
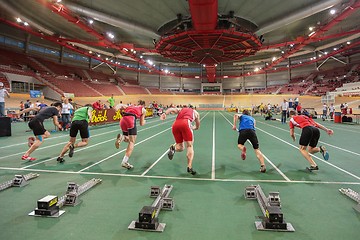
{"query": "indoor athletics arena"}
pixel 179 119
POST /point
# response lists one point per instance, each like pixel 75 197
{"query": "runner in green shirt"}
pixel 80 123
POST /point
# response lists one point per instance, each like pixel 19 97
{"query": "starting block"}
pixel 18 181
pixel 148 215
pixel 353 195
pixel 50 205
pixel 47 207
pixel 273 219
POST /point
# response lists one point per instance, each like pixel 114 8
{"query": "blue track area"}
pixel 209 205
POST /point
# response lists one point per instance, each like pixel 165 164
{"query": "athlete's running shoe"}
pixel 191 171
pixel 324 153
pixel 171 152
pixel 27 158
pixel 126 165
pixel 263 169
pixel 60 160
pixel 71 151
pixel 119 140
pixel 31 141
pixel 243 153
pixel 312 168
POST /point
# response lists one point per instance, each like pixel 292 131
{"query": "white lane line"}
pixel 266 158
pixel 98 162
pixel 152 165
pixel 342 149
pixel 66 135
pixel 91 146
pixel 143 174
pixel 178 178
pixel 213 150
pixel 343 170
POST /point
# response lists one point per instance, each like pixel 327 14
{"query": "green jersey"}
pixel 111 102
pixel 82 114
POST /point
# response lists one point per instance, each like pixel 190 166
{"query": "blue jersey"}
pixel 246 122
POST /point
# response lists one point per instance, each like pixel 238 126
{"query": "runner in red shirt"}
pixel 182 130
pixel 310 135
pixel 128 127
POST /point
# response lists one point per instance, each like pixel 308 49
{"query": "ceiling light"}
pixel 166 71
pixel 348 42
pixel 274 58
pixel 332 11
pixel 99 55
pixel 320 55
pixel 26 24
pixel 90 51
pixel 335 48
pixel 256 69
pixel 58 1
pixel 226 76
pixel 110 35
pixel 197 77
pixel 311 28
pixel 18 19
pixel 91 21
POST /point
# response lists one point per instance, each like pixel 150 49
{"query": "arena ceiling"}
pixel 181 32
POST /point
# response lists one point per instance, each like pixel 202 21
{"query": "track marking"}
pixel 65 135
pixel 343 170
pixel 147 170
pixel 152 165
pixel 91 146
pixel 179 178
pixel 342 149
pixel 266 158
pixel 213 150
pixel 144 140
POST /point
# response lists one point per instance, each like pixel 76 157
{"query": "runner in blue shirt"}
pixel 247 132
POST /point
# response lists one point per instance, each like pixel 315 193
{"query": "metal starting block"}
pixel 47 207
pixel 273 219
pixel 353 195
pixel 50 205
pixel 18 181
pixel 148 216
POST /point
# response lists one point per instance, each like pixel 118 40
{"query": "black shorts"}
pixel 248 134
pixel 309 136
pixel 81 126
pixel 37 127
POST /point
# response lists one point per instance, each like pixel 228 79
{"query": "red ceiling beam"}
pixel 303 41
pixel 204 14
pixel 68 15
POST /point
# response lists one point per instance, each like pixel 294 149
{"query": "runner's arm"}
pixel 56 122
pixel 197 120
pixel 142 118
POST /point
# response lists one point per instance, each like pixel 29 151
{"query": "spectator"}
pixel 111 101
pixel 98 105
pixel 3 92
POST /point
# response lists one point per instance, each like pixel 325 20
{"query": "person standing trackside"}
pixel 284 110
pixel 3 93
pixel 247 132
pixel 128 127
pixel 309 138
pixel 183 132
pixel 111 101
